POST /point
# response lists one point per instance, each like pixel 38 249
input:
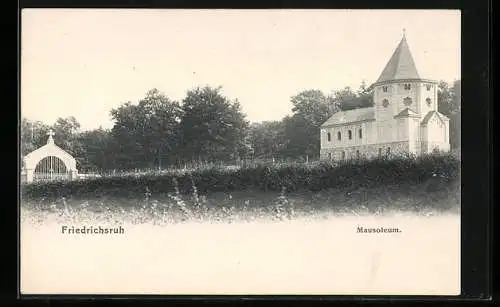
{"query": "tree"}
pixel 449 104
pixel 66 131
pixel 212 126
pixel 311 108
pixel 444 98
pixel 146 133
pixel 456 98
pixel 161 119
pixel 267 138
pixel 349 99
pixel 98 150
pixel 33 135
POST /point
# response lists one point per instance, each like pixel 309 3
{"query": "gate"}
pixel 51 168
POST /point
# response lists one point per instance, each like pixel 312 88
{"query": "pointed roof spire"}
pixel 401 64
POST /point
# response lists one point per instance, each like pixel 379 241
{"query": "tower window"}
pixel 407 101
pixel 339 136
pixel 329 137
pixel 428 86
pixel 429 101
pixel 407 86
pixel 384 89
pixel 385 103
pixel 349 134
pixel 360 133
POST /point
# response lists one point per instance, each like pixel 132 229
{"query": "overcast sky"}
pixel 83 63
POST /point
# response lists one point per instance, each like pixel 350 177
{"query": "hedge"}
pixel 349 174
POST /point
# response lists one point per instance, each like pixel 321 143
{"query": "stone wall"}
pixel 429 147
pixel 365 151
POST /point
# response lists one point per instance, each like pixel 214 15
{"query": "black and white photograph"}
pixel 240 152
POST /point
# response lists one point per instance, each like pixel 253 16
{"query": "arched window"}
pixel 429 101
pixel 428 86
pixel 343 155
pixel 360 133
pixel 349 133
pixel 384 89
pixel 329 137
pixel 339 136
pixel 385 103
pixel 388 151
pixel 380 152
pixel 357 153
pixel 329 156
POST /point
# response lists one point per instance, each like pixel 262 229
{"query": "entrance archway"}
pixel 51 168
pixel 49 162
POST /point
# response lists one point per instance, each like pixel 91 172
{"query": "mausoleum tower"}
pixel 402 99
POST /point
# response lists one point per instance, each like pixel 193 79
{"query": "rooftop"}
pixel 401 65
pixel 356 115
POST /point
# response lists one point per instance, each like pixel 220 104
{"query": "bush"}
pixel 349 174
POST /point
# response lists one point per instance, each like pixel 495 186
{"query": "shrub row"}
pixel 348 174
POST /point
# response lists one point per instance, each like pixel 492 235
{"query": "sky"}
pixel 85 62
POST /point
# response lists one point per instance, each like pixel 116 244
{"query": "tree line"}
pixel 207 126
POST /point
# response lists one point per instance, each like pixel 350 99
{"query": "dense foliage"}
pixel 349 174
pixel 207 127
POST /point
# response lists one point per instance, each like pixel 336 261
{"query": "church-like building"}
pixel 404 118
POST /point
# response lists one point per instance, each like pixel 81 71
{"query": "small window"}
pixel 329 137
pixel 385 103
pixel 339 136
pixel 407 86
pixel 388 152
pixel 429 101
pixel 349 133
pixel 407 101
pixel 360 133
pixel 357 153
pixel 384 89
pixel 343 155
pixel 428 86
pixel 329 156
pixel 380 152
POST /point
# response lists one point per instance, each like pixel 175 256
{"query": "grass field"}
pixel 404 184
pixel 427 198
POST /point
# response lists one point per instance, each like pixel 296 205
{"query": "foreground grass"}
pixel 416 184
pixel 430 197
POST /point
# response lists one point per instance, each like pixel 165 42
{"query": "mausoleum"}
pixel 404 118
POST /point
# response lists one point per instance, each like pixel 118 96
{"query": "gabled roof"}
pixel 401 65
pixel 49 147
pixel 430 114
pixel 407 112
pixel 351 116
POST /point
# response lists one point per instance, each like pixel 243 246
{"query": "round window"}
pixel 385 103
pixel 407 101
pixel 429 101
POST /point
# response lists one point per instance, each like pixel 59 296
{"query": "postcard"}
pixel 240 152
